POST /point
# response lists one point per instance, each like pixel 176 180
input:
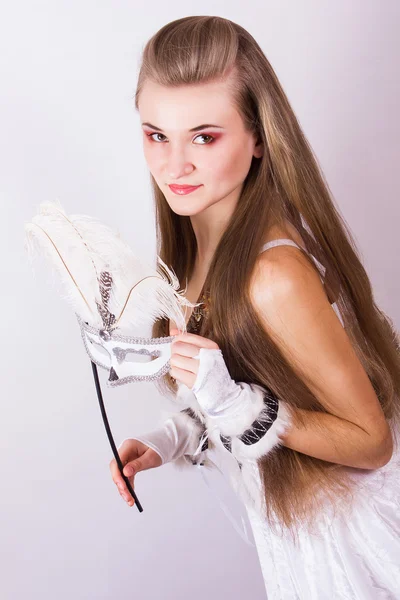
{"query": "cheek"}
pixel 152 156
pixel 155 157
pixel 232 166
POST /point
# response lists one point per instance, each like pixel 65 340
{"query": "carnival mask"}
pixel 112 292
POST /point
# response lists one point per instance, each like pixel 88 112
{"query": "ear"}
pixel 258 150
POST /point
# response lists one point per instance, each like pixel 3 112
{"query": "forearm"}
pixel 177 437
pixel 250 425
pixel 336 440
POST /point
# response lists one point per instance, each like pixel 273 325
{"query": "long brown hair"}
pixel 284 184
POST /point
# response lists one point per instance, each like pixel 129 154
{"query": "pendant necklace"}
pixel 199 314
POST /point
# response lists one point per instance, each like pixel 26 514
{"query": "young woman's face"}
pixel 216 157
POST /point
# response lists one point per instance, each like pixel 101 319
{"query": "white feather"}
pixel 81 247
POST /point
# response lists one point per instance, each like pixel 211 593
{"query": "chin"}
pixel 186 209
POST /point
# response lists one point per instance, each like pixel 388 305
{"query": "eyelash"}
pixel 150 135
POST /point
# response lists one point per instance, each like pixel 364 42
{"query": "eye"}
pixel 150 135
pixel 203 135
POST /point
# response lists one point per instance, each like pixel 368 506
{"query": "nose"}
pixel 178 166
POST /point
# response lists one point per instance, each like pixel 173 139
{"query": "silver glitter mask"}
pixel 119 354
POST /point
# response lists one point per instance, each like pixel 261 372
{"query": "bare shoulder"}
pixel 282 269
pixel 287 294
pixel 285 273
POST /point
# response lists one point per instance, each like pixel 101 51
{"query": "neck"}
pixel 209 226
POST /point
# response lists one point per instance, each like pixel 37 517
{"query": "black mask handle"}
pixel 110 437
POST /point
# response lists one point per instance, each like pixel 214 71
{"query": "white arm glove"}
pixel 177 438
pixel 248 417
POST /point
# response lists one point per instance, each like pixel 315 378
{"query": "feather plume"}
pixel 106 284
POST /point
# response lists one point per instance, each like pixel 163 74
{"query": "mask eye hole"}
pixel 132 355
pixel 99 348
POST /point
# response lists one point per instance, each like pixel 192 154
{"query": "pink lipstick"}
pixel 181 190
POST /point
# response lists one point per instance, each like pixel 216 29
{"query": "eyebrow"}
pixel 198 128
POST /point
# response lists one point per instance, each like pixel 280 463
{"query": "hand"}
pixel 185 346
pixel 135 456
pixel 249 417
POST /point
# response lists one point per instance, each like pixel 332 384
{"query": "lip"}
pixel 183 189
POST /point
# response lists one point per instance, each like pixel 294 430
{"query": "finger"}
pixel 119 481
pixel 122 450
pixel 130 470
pixel 147 460
pixel 186 377
pixel 196 340
pixel 122 487
pixel 125 493
pixel 183 362
pixel 115 472
pixel 184 349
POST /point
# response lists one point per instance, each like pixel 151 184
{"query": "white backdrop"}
pixel 69 131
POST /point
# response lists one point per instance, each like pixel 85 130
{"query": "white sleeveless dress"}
pixel 349 555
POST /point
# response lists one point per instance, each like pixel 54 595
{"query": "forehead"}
pixel 186 106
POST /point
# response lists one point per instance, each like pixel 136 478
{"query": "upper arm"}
pixel 288 296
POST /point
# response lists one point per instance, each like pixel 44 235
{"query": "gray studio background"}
pixel 68 130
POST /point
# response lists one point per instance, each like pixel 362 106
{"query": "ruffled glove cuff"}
pixel 250 418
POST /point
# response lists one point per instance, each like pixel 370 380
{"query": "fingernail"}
pixel 128 472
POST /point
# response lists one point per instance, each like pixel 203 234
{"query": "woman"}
pixel 299 373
